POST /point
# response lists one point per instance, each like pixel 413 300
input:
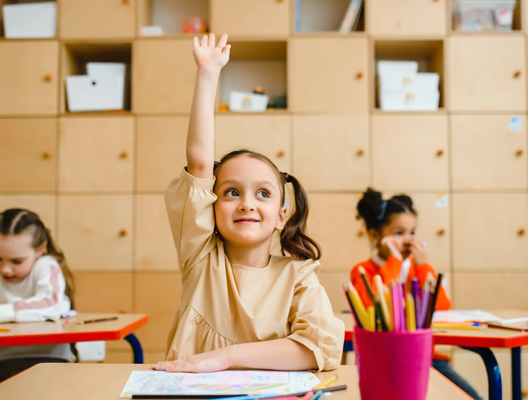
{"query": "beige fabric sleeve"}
pixel 189 203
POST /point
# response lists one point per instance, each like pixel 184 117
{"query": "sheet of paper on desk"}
pixel 223 382
pixel 465 315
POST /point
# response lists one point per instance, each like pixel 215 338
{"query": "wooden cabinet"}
pixel 333 282
pixel 164 74
pixel 160 151
pixel 487 73
pixel 155 248
pixel 269 135
pixel 41 204
pixel 29 77
pixel 149 288
pixel 103 291
pixel 488 152
pixel 410 152
pixel 95 231
pixel 406 17
pixel 96 19
pixel 328 75
pixel 331 152
pixel 28 155
pixel 96 154
pixel 490 231
pixel 250 17
pixel 332 223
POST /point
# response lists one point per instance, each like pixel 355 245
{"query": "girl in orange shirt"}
pixel 399 255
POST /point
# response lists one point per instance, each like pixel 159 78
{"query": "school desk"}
pixel 105 382
pixel 480 342
pixel 34 333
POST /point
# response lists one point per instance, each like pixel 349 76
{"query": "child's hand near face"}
pixel 206 54
pixel 390 245
pixel 418 252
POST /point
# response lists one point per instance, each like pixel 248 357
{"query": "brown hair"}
pixel 15 221
pixel 293 238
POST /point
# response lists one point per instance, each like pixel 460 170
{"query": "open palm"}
pixel 206 54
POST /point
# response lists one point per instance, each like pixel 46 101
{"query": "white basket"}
pixel 483 15
pixel 33 20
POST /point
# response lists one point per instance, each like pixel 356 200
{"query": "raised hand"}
pixel 418 252
pixel 206 54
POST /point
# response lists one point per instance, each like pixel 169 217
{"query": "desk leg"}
pixel 492 368
pixel 516 373
pixel 136 348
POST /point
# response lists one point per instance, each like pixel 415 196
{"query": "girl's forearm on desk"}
pixel 279 354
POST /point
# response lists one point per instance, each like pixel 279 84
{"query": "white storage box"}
pixel 245 101
pixel 397 67
pixel 483 15
pixel 30 20
pixel 102 89
pixel 409 101
pixel 422 82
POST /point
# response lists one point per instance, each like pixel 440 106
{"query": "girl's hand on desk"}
pixel 207 55
pixel 390 245
pixel 205 362
pixel 418 252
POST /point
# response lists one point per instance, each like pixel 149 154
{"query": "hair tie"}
pixel 383 209
pixel 286 176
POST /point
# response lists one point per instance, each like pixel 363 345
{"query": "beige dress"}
pixel 224 304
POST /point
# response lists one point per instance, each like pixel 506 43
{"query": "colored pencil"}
pixel 358 306
pixel 370 292
pixel 350 305
pixel 424 305
pixel 326 382
pixel 383 302
pixel 396 306
pixel 410 313
pixel 432 302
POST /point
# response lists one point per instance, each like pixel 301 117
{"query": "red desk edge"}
pixel 482 341
pixel 72 337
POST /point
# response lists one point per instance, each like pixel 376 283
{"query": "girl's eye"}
pixel 412 233
pixel 230 193
pixel 264 194
pixel 397 233
pixel 17 262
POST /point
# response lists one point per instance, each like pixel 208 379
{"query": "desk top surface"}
pixel 34 333
pixel 486 337
pixel 106 381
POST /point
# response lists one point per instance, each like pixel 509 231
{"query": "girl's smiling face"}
pixel 249 205
pixel 17 256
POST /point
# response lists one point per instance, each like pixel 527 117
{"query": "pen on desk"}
pixel 326 382
pixel 91 321
pixel 4 329
pixel 511 328
pixel 65 322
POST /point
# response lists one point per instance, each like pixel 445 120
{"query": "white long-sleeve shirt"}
pixel 38 297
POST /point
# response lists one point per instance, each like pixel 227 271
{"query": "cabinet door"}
pixel 250 17
pixel 95 232
pixel 96 154
pixel 28 152
pixel 29 77
pixel 406 17
pixel 333 224
pixel 43 205
pixel 331 152
pixel 155 249
pixel 164 76
pixel 488 151
pixel 103 292
pixel 489 230
pixel 92 19
pixel 409 152
pixel 160 151
pixel 269 135
pixel 328 75
pixel 486 73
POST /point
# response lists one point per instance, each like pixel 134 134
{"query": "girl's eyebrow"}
pixel 235 182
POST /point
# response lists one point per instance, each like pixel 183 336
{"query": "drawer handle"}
pixel 126 1
pixel 440 232
pixel 123 155
pixel 361 233
pixel 440 153
pixel 359 75
pixel 519 152
pixel 360 152
pixel 123 232
pixel 46 155
pixel 521 232
pixel 48 78
pixel 281 153
pixel 517 74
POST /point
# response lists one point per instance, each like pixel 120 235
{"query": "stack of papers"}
pixel 473 315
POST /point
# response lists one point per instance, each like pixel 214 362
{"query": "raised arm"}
pixel 210 60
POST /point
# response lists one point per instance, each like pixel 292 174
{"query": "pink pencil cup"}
pixel 393 365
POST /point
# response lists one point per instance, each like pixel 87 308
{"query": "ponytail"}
pixel 293 238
